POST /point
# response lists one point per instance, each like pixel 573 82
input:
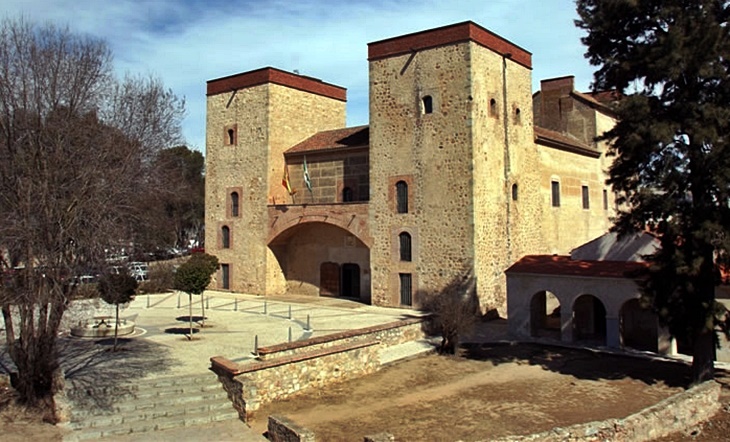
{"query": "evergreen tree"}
pixel 193 278
pixel 668 60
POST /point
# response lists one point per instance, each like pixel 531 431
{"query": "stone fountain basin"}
pixel 101 327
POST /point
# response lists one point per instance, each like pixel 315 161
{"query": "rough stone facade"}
pixel 286 369
pixel 454 130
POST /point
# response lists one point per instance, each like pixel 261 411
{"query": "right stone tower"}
pixel 453 164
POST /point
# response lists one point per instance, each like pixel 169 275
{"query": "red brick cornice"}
pixel 276 76
pixel 457 33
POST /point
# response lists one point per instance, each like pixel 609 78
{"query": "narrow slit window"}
pixel 555 193
pixel 514 192
pixel 493 107
pixel 234 204
pixel 427 104
pixel 586 197
pixel 401 193
pixel 225 237
pixel 605 199
pixel 225 276
pixel 405 246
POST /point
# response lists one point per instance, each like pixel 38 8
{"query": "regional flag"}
pixel 285 182
pixel 307 180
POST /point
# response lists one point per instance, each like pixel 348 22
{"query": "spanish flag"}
pixel 285 182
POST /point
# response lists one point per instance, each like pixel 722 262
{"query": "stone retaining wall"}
pixel 285 369
pixel 392 333
pixel 677 413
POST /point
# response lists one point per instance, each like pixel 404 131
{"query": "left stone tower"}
pixel 252 118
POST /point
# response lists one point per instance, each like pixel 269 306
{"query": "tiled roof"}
pixel 599 100
pixel 358 136
pixel 564 266
pixel 562 141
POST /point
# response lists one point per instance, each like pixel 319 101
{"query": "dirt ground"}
pixel 495 391
pixel 491 392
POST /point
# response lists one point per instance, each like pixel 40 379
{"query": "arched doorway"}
pixel 589 320
pixel 639 326
pixel 545 315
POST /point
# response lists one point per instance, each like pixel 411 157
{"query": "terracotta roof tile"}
pixel 563 141
pixel 358 136
pixel 564 266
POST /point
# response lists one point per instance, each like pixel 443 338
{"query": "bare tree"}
pixel 75 148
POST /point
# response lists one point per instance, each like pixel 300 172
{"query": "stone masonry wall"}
pixel 330 174
pixel 287 369
pixel 266 119
pixel 504 155
pixel 679 412
pixel 432 153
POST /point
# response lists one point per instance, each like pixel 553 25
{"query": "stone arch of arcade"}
pixel 588 309
pixel 319 250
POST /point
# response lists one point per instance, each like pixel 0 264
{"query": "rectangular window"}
pixel 555 189
pixel 225 276
pixel 586 197
pixel 406 290
pixel 605 199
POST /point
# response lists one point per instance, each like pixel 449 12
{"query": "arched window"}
pixel 405 246
pixel 225 237
pixel 427 104
pixel 347 195
pixel 514 192
pixel 234 203
pixel 401 193
pixel 492 107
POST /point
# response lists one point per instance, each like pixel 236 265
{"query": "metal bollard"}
pixel 289 334
pixel 256 345
pixel 207 304
pixel 265 310
pixel 308 327
pixel 178 299
pixel 290 312
pixel 235 305
pixel 148 301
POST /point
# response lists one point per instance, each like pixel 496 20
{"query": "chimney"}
pixel 556 102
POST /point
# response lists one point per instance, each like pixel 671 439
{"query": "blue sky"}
pixel 187 42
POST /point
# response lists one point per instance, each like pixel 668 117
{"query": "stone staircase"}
pixel 147 405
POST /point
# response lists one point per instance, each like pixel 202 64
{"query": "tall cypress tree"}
pixel 669 60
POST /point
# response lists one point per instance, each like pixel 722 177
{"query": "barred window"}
pixel 225 237
pixel 555 191
pixel 586 197
pixel 234 203
pixel 401 190
pixel 405 246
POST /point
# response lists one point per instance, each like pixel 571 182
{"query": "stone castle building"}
pixel 460 173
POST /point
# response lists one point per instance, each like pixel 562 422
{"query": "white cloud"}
pixel 189 42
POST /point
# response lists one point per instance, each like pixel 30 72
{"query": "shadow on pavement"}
pixel 96 375
pixel 583 363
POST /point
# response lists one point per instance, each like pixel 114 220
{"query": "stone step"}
pixel 144 426
pixel 134 392
pixel 152 410
pixel 149 405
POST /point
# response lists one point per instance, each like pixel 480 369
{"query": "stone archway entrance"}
pixel 321 259
pixel 638 327
pixel 545 315
pixel 589 320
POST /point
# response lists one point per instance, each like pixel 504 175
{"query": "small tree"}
pixel 193 277
pixel 455 313
pixel 117 289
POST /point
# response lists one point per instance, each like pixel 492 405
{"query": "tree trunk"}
pixel 116 329
pixel 202 306
pixel 190 307
pixel 703 356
